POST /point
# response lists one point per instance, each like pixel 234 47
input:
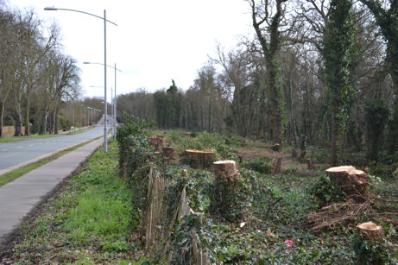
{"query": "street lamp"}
pixel 114 111
pixel 105 21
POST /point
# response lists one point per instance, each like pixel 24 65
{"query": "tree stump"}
pixel 156 141
pixel 349 179
pixel 294 153
pixel 276 147
pixel 231 196
pixel 302 156
pixel 276 166
pixel 310 164
pixel 225 169
pixel 198 158
pixel 189 134
pixel 370 231
pixel 169 153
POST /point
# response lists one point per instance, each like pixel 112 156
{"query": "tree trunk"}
pixel 18 122
pixel 27 112
pixel 392 57
pixel 275 100
pixel 1 118
pixel 44 123
pixel 333 131
pixel 56 120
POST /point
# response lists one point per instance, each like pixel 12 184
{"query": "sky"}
pixel 155 40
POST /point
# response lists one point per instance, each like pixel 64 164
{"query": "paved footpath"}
pixel 19 197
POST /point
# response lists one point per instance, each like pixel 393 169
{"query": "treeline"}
pixel 317 72
pixel 36 77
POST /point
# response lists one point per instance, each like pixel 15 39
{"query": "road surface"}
pixel 15 153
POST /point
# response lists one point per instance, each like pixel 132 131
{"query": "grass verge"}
pixel 10 139
pixel 10 176
pixel 87 222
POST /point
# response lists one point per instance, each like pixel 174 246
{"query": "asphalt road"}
pixel 14 153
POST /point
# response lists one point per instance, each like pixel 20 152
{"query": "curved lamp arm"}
pixel 78 11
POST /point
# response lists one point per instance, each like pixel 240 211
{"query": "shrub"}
pixel 369 253
pixel 231 198
pixel 376 116
pixel 325 192
pixel 261 165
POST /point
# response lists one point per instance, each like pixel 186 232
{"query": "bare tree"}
pixel 267 18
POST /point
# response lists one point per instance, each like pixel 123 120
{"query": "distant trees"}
pixel 36 78
pixel 168 107
pixel 386 16
pixel 315 73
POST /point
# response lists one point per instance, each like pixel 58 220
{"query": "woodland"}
pixel 283 151
pixel 321 73
pixel 39 84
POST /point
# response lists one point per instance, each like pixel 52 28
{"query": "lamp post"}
pixel 105 21
pixel 114 111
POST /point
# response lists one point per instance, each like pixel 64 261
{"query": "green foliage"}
pixel 261 165
pixel 202 141
pixel 168 107
pixel 133 145
pixel 182 240
pixel 276 204
pixel 376 116
pixel 339 53
pixel 65 124
pixel 198 190
pixel 370 253
pixel 382 170
pixel 130 127
pixel 325 192
pixel 231 198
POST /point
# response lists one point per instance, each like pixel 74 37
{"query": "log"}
pixel 199 158
pixel 169 153
pixel 225 169
pixel 371 231
pixel 349 179
pixel 156 141
pixel 276 166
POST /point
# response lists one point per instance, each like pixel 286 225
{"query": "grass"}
pixel 10 139
pixel 88 222
pixel 10 176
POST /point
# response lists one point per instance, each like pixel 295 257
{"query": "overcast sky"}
pixel 156 40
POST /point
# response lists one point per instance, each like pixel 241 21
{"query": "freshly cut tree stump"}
pixel 169 153
pixel 199 158
pixel 349 179
pixel 225 169
pixel 276 167
pixel 230 196
pixel 371 231
pixel 189 134
pixel 156 141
